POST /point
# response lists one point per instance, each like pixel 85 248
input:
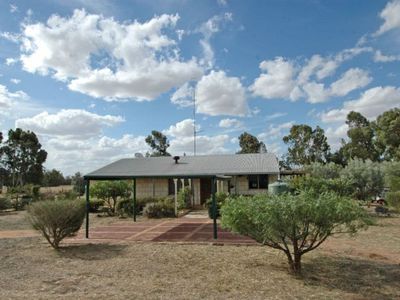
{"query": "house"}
pixel 244 174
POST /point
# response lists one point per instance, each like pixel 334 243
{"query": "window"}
pixel 258 182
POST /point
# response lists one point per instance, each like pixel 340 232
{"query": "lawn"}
pixel 364 267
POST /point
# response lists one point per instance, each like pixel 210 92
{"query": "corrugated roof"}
pixel 189 166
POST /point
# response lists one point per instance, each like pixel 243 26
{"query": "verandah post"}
pixel 134 199
pixel 214 207
pixel 87 207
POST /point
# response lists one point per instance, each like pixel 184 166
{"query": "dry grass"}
pixel 345 268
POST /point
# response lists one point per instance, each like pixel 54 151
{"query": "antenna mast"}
pixel 194 121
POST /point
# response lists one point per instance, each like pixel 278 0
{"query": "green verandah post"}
pixel 87 207
pixel 214 207
pixel 134 199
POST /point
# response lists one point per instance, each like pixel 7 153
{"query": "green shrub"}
pixel 295 224
pixel 5 203
pixel 57 219
pixel 184 198
pixel 220 199
pixel 141 203
pixel 164 208
pixel 393 199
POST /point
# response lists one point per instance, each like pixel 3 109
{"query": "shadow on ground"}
pixel 91 251
pixel 371 279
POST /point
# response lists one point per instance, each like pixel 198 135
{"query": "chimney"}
pixel 176 158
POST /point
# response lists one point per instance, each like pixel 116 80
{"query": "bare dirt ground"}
pixel 364 267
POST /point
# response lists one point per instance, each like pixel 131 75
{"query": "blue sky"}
pixel 93 78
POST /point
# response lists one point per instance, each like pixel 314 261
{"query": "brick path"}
pixel 6 234
pixel 183 230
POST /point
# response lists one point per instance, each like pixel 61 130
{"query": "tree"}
pixel 387 128
pixel 365 177
pixel 23 157
pixel 78 184
pixel 53 178
pixel 294 224
pixel 306 145
pixel 361 138
pixel 250 144
pixel 110 191
pixel 158 143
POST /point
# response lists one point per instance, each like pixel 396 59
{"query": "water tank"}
pixel 278 187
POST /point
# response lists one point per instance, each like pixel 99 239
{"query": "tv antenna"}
pixel 194 121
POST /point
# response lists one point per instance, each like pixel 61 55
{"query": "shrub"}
pixel 393 199
pixel 320 185
pixel 294 224
pixel 141 203
pixel 220 199
pixel 5 203
pixel 57 219
pixel 184 198
pixel 162 209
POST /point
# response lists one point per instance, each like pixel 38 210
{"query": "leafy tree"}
pixel 110 191
pixel 387 127
pixel 158 143
pixel 324 171
pixel 361 138
pixel 53 178
pixel 23 157
pixel 250 144
pixel 294 224
pixel 79 183
pixel 365 177
pixel 306 145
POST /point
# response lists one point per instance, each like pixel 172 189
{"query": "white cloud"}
pixel 137 60
pixel 15 80
pixel 182 129
pixel 230 123
pixel 7 98
pixel 222 2
pixel 275 131
pixel 352 79
pixel 76 123
pixel 285 79
pixel 335 135
pixel 371 103
pixel 208 29
pixel 13 8
pixel 275 116
pixel 183 96
pixel 11 61
pixel 277 81
pixel 204 145
pixel 218 94
pixel 380 57
pixel 391 16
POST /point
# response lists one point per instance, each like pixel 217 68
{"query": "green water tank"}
pixel 278 187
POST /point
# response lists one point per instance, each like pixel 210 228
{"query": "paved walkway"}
pixel 183 230
pixel 8 234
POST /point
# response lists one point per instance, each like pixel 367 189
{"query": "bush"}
pixel 294 224
pixel 141 203
pixel 164 208
pixel 220 199
pixel 57 219
pixel 320 185
pixel 5 203
pixel 184 198
pixel 393 199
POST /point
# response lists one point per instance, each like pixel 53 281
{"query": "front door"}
pixel 205 189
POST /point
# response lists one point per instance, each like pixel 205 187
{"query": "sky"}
pixel 93 78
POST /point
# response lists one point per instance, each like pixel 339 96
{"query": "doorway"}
pixel 205 189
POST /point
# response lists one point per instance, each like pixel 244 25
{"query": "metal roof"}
pixel 189 166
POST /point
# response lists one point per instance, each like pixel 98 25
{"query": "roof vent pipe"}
pixel 176 158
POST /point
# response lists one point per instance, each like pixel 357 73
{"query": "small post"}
pixel 176 196
pixel 214 207
pixel 134 199
pixel 87 207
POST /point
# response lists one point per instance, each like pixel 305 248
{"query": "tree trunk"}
pixel 294 263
